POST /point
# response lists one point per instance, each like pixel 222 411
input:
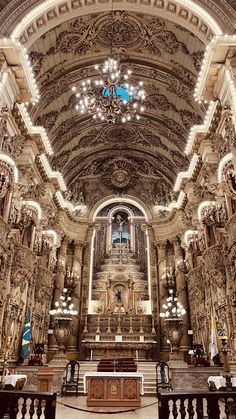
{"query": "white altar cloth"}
pixel 13 378
pixel 220 381
pixel 114 375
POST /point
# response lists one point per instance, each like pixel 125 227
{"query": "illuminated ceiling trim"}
pixel 46 7
pixel 34 130
pixel 188 174
pixel 173 205
pixel 217 41
pixel 68 205
pixel 17 47
pixel 200 129
pixel 51 174
pixel 18 50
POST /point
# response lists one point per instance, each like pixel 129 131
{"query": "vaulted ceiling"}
pixel 137 158
pixel 149 152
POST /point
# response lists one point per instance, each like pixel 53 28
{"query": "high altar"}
pixel 119 321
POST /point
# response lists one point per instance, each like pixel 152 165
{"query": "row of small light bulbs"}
pixel 200 128
pixel 212 105
pixel 35 129
pixel 217 39
pixel 15 43
pixel 187 174
pixel 23 107
pixel 195 129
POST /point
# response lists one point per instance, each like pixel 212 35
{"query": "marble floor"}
pixel 148 410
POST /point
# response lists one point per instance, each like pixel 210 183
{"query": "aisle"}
pixel 63 412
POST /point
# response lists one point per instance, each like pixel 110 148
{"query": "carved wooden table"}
pixel 114 388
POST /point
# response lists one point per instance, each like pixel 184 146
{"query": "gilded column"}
pixel 59 283
pixel 181 290
pixel 161 248
pixel 72 344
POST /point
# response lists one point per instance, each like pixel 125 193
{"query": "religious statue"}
pixel 118 295
pixel 120 222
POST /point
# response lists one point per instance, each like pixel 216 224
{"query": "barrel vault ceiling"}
pixel 149 153
pixel 141 158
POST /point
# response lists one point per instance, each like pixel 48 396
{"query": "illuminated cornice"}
pixel 187 11
pixel 51 174
pixel 210 51
pixel 68 205
pixel 20 53
pixel 35 130
pixel 173 205
pixel 200 129
pixel 188 174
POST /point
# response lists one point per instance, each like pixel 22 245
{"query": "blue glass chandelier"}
pixel 111 98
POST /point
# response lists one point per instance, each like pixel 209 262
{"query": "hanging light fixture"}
pixel 64 307
pixel 173 308
pixel 111 98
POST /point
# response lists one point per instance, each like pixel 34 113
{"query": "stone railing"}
pixel 185 404
pixel 21 404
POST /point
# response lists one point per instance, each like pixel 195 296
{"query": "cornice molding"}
pixel 35 19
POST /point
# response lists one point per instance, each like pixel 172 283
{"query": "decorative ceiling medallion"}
pixel 120 173
pixel 120 178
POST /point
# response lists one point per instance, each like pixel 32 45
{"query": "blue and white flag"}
pixel 25 345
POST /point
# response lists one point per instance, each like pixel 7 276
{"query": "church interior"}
pixel 118 206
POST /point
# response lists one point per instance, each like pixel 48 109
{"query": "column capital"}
pixel 161 245
pixel 78 246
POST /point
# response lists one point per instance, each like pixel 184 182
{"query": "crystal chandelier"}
pixel 173 308
pixel 64 307
pixel 111 98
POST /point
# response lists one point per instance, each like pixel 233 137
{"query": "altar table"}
pixel 113 388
